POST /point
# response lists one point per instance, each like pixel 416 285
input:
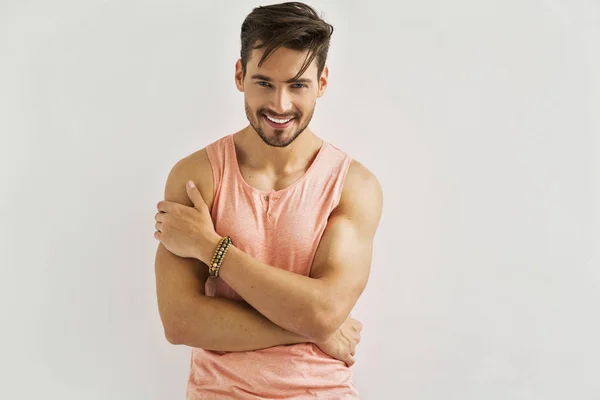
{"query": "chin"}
pixel 278 138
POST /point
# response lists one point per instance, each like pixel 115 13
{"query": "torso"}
pixel 283 232
pixel 262 181
pixel 200 172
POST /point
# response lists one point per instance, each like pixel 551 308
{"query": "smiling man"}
pixel 262 258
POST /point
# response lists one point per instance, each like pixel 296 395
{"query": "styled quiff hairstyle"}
pixel 293 25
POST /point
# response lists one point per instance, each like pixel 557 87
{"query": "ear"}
pixel 239 78
pixel 323 81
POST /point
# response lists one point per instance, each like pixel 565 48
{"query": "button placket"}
pixel 270 199
pixel 267 198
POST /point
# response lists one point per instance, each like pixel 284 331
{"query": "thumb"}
pixel 194 195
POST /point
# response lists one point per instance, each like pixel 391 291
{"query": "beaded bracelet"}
pixel 218 256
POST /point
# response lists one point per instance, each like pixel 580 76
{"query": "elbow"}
pixel 184 324
pixel 174 330
pixel 173 335
pixel 172 327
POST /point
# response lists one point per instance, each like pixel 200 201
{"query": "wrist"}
pixel 210 245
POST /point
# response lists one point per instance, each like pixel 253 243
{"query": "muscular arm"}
pixel 315 306
pixel 193 319
pixel 190 317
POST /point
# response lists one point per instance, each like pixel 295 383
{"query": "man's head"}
pixel 282 69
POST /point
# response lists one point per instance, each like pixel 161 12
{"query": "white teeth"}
pixel 278 121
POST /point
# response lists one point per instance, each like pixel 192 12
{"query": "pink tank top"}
pixel 280 228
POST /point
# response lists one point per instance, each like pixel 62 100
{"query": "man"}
pixel 301 214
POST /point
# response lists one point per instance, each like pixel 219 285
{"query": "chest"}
pixel 278 228
pixel 267 182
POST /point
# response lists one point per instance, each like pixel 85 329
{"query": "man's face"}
pixel 277 108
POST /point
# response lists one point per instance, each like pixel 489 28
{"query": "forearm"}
pixel 293 301
pixel 221 324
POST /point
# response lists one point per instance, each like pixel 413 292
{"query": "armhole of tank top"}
pixel 216 171
pixel 337 195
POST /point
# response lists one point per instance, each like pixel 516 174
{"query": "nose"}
pixel 281 101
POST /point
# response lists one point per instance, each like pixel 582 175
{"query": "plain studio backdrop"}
pixel 480 119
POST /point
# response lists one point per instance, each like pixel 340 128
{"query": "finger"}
pixel 165 206
pixel 159 216
pixel 194 195
pixel 158 226
pixel 157 235
pixel 350 361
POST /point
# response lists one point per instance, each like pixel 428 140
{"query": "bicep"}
pixel 342 262
pixel 180 280
pixel 177 281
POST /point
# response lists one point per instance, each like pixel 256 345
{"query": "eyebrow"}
pixel 267 79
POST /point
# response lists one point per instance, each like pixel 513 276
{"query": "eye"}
pixel 299 85
pixel 266 84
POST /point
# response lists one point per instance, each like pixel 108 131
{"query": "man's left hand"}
pixel 184 230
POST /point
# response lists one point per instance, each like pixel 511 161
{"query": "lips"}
pixel 278 125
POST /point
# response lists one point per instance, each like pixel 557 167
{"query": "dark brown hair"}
pixel 293 25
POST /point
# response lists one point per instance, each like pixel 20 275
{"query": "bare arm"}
pixel 315 306
pixel 190 317
pixel 193 319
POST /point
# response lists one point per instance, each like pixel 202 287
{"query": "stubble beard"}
pixel 278 140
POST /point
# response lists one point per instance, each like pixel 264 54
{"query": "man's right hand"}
pixel 342 344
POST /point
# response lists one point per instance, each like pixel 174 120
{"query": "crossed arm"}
pixel 316 305
pixel 281 307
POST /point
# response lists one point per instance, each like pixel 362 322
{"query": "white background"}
pixel 480 119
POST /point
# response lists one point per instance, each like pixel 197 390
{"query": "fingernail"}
pixel 190 184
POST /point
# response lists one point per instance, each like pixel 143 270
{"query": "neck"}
pixel 254 153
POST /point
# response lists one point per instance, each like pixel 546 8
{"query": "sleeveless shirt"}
pixel 281 228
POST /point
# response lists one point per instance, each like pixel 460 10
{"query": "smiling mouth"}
pixel 278 122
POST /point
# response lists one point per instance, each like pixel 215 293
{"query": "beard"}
pixel 279 139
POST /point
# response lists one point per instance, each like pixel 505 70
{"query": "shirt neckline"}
pixel 238 172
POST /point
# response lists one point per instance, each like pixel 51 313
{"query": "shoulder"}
pixel 358 178
pixel 362 196
pixel 360 182
pixel 195 167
